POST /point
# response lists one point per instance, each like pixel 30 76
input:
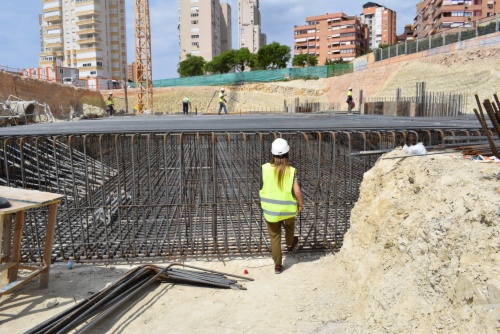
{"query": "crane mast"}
pixel 144 67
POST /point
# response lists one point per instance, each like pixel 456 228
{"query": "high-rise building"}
pixel 249 26
pixel 226 42
pixel 331 37
pixel 86 34
pixel 436 16
pixel 381 22
pixel 204 28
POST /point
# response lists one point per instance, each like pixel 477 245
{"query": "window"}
pixel 195 36
pixel 194 22
pixel 93 72
pixel 195 14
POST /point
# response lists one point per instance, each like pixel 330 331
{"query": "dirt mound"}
pixel 423 251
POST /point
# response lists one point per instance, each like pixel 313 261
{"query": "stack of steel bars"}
pixel 493 111
pixel 95 308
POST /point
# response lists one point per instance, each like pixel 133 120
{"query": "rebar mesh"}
pixel 187 194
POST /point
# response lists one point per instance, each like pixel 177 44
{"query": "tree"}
pixel 223 63
pixel 192 66
pixel 336 61
pixel 303 59
pixel 273 56
pixel 243 59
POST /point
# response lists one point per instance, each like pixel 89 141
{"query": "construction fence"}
pixel 228 79
pixel 482 27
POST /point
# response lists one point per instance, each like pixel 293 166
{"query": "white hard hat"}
pixel 280 147
pixel 350 88
pixel 222 89
pixel 110 93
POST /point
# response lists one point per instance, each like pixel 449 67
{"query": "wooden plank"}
pixel 29 196
pixel 2 249
pixel 18 283
pixel 47 249
pixel 11 286
pixel 19 206
pixel 7 266
pixel 16 245
pixel 7 228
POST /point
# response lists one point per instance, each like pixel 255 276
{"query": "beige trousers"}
pixel 275 236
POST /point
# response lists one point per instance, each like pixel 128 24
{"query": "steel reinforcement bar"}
pixel 188 194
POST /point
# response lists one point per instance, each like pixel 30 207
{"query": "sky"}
pixel 20 36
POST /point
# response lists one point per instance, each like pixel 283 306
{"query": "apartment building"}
pixel 407 34
pixel 204 28
pixel 331 37
pixel 86 34
pixel 381 22
pixel 437 16
pixel 132 71
pixel 249 26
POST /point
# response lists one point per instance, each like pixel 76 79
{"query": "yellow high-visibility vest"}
pixel 277 204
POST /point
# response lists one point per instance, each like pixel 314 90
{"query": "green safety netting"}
pixel 257 76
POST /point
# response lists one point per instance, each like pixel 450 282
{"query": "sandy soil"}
pixel 422 256
pixel 468 71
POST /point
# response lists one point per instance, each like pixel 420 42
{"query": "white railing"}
pixel 50 5
pixel 51 14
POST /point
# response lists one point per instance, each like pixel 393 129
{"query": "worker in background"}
pixel 280 200
pixel 111 104
pixel 349 100
pixel 222 101
pixel 186 105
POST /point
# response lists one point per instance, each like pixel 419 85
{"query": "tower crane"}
pixel 144 67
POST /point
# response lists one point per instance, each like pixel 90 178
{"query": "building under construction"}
pixel 160 189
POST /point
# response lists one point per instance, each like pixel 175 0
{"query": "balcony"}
pixel 52 26
pixel 88 21
pixel 86 2
pixel 55 46
pixel 84 50
pixel 53 39
pixel 87 10
pixel 52 18
pixel 91 40
pixel 49 6
pixel 88 31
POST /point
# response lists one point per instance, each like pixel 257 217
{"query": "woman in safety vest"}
pixel 281 200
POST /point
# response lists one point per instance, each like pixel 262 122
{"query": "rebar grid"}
pixel 188 194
